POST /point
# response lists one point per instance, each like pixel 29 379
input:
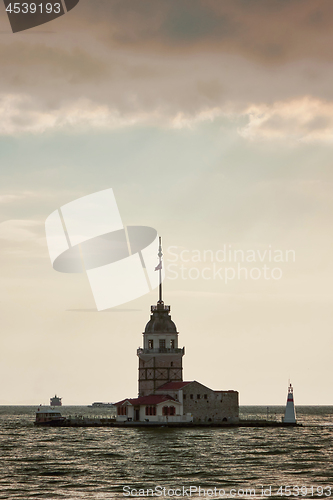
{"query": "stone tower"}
pixel 160 359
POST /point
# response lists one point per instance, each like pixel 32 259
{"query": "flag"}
pixel 157 268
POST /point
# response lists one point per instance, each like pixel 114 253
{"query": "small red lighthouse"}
pixel 290 414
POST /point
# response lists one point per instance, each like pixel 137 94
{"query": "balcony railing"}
pixel 162 350
pixel 160 307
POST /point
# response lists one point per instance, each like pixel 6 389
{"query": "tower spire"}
pixel 160 301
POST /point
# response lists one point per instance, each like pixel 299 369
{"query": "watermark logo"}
pixel 87 235
pixel 27 14
pixel 227 263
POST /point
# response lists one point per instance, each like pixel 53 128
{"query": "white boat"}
pixel 48 416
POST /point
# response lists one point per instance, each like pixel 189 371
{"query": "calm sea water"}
pixel 97 463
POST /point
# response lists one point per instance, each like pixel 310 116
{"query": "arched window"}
pixel 150 410
pixel 122 410
pixel 169 410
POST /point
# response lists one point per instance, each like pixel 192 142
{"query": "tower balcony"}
pixel 161 350
pixel 160 307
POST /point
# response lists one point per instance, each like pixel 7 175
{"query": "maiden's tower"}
pixel 163 395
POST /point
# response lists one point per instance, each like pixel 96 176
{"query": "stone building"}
pixel 163 395
pixel 204 404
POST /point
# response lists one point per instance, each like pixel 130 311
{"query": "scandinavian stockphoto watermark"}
pixel 227 263
pixel 87 235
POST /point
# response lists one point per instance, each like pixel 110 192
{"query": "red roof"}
pixel 172 386
pixel 152 399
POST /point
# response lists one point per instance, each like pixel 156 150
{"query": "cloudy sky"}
pixel 213 123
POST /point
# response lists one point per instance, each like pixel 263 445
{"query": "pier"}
pixel 81 421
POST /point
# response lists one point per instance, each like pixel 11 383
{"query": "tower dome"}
pixel 160 320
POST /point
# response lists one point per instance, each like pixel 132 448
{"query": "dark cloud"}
pixel 271 31
pixel 74 64
pixel 117 61
pixel 189 21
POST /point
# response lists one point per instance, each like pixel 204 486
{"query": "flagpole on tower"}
pixel 160 268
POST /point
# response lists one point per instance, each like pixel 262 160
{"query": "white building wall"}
pixel 159 413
